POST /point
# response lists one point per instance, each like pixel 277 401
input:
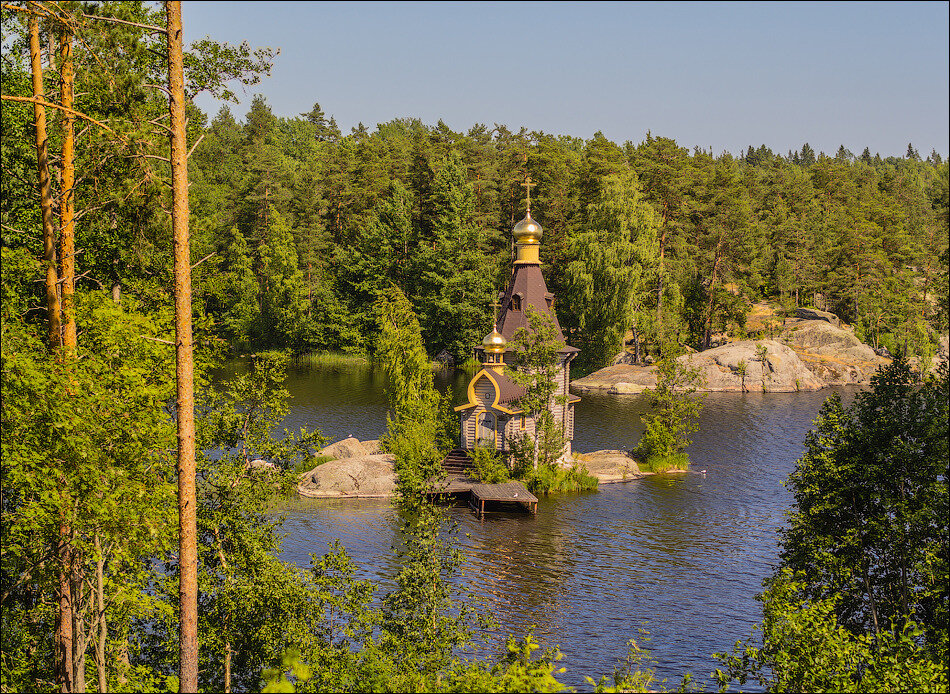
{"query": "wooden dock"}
pixel 505 492
pixel 480 494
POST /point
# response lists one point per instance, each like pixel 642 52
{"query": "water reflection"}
pixel 682 554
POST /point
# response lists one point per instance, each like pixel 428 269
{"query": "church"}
pixel 492 417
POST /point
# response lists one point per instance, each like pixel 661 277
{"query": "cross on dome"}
pixel 528 185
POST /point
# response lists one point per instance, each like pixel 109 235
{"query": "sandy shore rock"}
pixel 361 469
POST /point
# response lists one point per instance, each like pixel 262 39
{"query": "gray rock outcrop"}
pixel 347 448
pixel 815 314
pixel 360 469
pixel 769 366
pixel 610 466
pixel 367 475
pixel 372 447
pixel 833 354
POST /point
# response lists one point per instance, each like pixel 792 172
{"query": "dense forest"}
pixel 304 239
pixel 299 226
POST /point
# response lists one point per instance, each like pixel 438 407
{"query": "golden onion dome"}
pixel 494 342
pixel 527 231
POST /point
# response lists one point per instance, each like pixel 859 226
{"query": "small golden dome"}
pixel 494 342
pixel 527 231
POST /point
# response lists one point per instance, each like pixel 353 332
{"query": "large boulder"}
pixel 769 365
pixel 347 448
pixel 372 447
pixel 623 378
pixel 610 466
pixel 834 354
pixel 368 475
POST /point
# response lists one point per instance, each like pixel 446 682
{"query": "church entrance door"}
pixel 486 429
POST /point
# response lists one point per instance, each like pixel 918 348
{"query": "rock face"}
pixel 770 366
pixel 778 370
pixel 833 354
pixel 372 447
pixel 347 448
pixel 370 475
pixel 360 469
pixel 815 314
pixel 619 379
pixel 610 466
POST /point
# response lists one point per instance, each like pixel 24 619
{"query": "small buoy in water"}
pixel 703 472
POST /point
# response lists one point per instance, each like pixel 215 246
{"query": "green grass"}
pixel 310 463
pixel 553 479
pixel 664 463
pixel 331 359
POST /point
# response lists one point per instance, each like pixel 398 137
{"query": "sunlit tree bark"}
pixel 67 206
pixel 187 517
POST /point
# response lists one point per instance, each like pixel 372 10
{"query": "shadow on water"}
pixel 681 555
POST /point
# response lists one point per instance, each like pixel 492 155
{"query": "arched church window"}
pixel 516 302
pixel 486 429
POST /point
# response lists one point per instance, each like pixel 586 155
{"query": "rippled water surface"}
pixel 680 555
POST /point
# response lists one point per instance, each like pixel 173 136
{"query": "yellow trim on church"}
pixel 472 402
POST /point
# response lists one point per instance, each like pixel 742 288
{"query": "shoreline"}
pixel 608 466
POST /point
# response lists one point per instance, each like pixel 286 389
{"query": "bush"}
pixel 665 463
pixel 487 466
pixel 553 479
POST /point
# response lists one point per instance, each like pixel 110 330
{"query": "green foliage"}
pixel 860 600
pixel 610 267
pixel 635 673
pixel 488 467
pixel 549 478
pixel 539 366
pixel 871 505
pixel 307 464
pixel 417 435
pixel 806 649
pixel 664 463
pixel 296 232
pixel 669 427
pixel 277 680
pixel 85 447
pixel 249 601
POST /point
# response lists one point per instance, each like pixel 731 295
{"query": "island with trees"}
pixel 143 243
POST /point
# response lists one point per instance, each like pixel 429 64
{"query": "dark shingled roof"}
pixel 528 283
pixel 508 390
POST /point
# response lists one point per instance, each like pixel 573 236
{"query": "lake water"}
pixel 680 555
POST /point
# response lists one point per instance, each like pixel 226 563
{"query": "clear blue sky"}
pixel 719 75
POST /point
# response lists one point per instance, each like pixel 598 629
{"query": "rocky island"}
pixel 810 351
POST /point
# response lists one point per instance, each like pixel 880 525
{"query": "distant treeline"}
pixel 299 227
pixel 308 225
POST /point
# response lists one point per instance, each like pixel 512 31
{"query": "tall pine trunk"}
pixel 63 637
pixel 46 198
pixel 67 213
pixel 184 360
